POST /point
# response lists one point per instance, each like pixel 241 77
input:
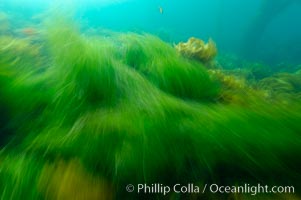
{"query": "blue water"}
pixel 226 22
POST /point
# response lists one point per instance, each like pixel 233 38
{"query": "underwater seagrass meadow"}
pixel 86 110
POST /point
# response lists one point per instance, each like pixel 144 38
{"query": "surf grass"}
pixel 161 65
pixel 19 175
pixel 115 115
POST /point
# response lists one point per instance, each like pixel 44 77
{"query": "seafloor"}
pixel 84 114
